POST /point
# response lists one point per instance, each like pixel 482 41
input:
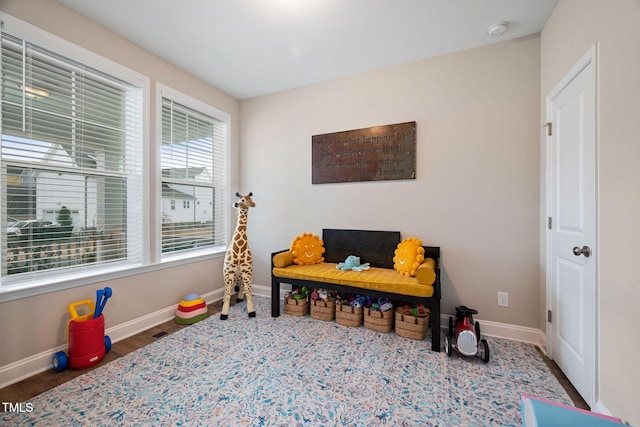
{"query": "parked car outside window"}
pixel 22 228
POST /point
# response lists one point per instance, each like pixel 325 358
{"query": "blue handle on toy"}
pixel 101 300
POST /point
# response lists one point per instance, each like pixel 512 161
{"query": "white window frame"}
pixel 68 279
pixel 164 91
pixel 152 259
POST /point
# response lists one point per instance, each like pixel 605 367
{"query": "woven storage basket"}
pixel 296 307
pixel 323 310
pixel 412 327
pixel 349 316
pixel 381 321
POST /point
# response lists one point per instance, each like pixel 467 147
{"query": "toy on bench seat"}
pixel 352 263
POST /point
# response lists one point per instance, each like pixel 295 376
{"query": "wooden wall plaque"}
pixel 370 154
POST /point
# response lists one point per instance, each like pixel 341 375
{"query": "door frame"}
pixel 590 57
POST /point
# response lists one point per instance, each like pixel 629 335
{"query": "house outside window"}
pixel 70 164
pixel 193 153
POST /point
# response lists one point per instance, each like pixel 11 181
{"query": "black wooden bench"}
pixel 376 248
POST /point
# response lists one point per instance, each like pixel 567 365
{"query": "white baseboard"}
pixel 28 367
pixel 508 331
pixel 33 365
pixel 601 409
pixel 25 368
pixel 493 329
pixel 261 291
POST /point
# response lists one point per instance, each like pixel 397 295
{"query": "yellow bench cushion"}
pixel 377 279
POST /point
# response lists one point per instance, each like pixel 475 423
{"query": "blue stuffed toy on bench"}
pixel 352 263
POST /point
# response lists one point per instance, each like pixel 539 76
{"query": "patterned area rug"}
pixel 292 371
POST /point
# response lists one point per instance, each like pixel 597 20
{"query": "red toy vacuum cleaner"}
pixel 87 342
pixel 465 338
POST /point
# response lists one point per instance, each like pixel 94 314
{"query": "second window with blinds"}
pixel 194 175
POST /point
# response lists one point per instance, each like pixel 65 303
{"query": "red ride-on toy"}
pixel 465 338
pixel 87 342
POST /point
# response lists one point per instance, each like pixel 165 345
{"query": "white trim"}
pixel 504 330
pixel 601 409
pixel 151 255
pixel 164 91
pixel 60 46
pixel 141 324
pixel 28 367
pixel 33 365
pixel 25 290
pixel 591 56
pixel 25 368
pixel 146 173
pixel 526 334
pixel 262 291
pixel 11 289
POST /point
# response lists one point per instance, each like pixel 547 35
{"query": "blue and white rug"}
pixel 292 371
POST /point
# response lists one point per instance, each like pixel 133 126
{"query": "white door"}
pixel 571 147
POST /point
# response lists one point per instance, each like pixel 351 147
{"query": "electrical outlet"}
pixel 503 299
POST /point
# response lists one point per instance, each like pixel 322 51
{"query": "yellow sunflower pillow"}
pixel 307 249
pixel 409 254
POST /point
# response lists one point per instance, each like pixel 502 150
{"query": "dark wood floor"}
pixel 40 383
pixel 564 381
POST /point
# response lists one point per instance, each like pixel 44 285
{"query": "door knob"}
pixel 585 250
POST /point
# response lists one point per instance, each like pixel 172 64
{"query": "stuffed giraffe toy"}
pixel 237 261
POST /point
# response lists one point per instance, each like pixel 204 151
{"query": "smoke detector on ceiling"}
pixel 499 28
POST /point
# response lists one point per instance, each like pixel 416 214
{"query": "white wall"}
pixel 476 192
pixel 572 29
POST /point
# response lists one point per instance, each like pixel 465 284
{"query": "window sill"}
pixel 57 283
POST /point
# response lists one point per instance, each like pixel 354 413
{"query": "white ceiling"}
pixel 249 48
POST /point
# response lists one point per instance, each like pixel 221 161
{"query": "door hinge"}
pixel 549 316
pixel 550 223
pixel 549 127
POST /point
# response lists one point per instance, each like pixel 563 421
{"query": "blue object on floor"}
pixel 544 413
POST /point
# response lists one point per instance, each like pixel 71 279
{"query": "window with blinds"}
pixel 194 177
pixel 70 164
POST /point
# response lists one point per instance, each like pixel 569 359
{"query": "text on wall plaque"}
pixel 370 154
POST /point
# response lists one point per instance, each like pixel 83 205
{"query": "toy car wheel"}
pixel 484 351
pixel 60 361
pixel 448 339
pixel 107 343
pixel 477 326
pixel 447 346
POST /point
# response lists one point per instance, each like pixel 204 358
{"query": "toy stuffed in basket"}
pixel 87 342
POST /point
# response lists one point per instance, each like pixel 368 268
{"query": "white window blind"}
pixel 70 164
pixel 194 179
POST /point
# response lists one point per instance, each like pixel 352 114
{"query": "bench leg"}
pixel 275 297
pixel 435 327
